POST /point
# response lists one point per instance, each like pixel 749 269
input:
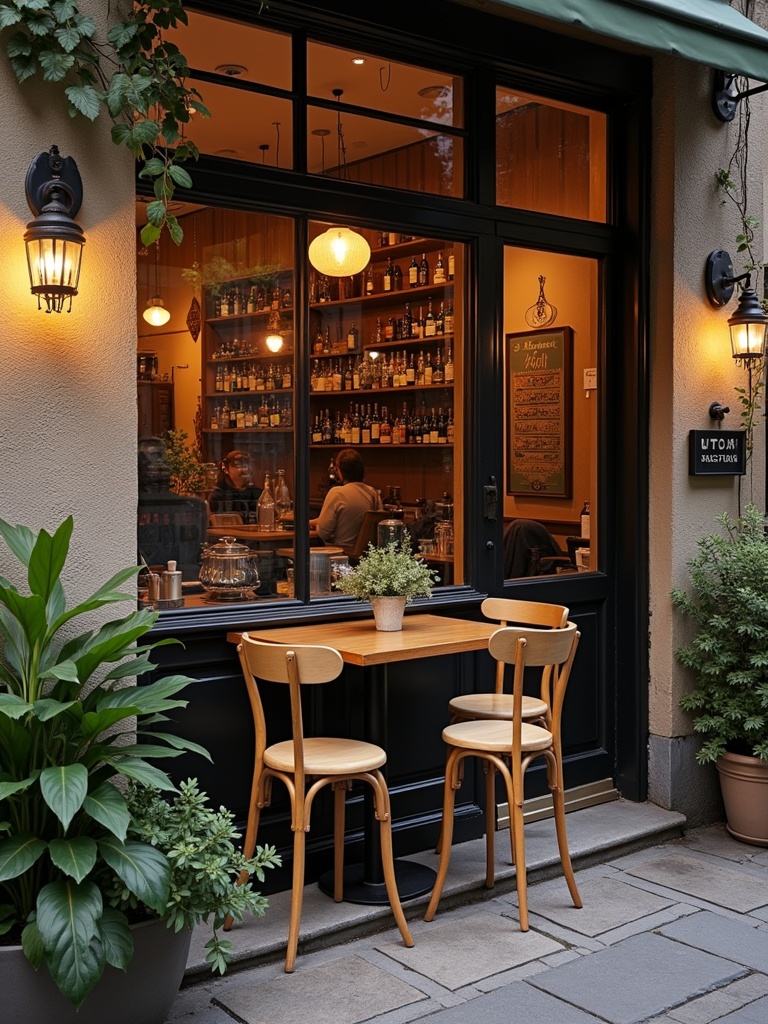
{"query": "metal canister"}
pixel 170 583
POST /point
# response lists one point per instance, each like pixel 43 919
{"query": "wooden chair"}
pixel 508 747
pixel 367 534
pixel 307 764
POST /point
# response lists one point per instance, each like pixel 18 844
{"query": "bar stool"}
pixel 305 765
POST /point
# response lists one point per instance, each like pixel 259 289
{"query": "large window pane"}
pixel 550 157
pixel 551 329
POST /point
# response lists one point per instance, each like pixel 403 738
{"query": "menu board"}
pixel 538 401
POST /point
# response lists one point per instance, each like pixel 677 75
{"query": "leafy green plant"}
pixel 139 77
pixel 728 654
pixel 71 717
pixel 185 462
pixel 205 864
pixel 390 571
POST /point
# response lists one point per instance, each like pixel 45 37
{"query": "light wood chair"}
pixel 307 764
pixel 508 747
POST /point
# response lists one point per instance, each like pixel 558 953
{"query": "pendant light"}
pixel 274 340
pixel 156 314
pixel 339 252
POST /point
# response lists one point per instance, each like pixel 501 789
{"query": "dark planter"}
pixel 141 995
pixel 744 784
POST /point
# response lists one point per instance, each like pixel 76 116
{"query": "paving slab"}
pixel 475 947
pixel 637 979
pixel 514 1003
pixel 754 1013
pixel 608 902
pixel 728 937
pixel 347 990
pixel 741 890
pixel 715 1005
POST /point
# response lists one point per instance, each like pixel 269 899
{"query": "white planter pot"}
pixel 388 613
pixel 143 994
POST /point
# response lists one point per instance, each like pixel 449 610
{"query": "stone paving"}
pixel 676 932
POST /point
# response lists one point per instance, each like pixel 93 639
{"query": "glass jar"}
pixel 228 571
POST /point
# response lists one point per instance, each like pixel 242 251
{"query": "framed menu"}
pixel 538 400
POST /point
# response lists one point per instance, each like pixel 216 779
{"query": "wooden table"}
pixel 360 643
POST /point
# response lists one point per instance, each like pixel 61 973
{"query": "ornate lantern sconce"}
pixel 749 324
pixel 54 242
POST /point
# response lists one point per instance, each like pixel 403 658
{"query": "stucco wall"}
pixel 67 387
pixel 691 366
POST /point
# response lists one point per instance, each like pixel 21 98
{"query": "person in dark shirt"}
pixel 235 491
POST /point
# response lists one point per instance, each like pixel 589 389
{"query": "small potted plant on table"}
pixel 728 654
pixel 389 577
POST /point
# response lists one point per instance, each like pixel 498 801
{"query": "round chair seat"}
pixel 485 734
pixel 327 756
pixel 495 706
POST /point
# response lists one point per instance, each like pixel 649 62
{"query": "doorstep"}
pixel 595 834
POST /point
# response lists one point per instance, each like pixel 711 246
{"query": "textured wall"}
pixel 67 387
pixel 691 366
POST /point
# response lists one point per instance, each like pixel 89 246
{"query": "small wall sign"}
pixel 717 453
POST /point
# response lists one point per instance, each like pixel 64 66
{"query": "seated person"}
pixel 235 491
pixel 342 512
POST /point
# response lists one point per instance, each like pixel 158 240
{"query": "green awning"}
pixel 707 31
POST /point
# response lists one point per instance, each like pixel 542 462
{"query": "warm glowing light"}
pixel 747 340
pixel 339 252
pixel 274 342
pixel 156 314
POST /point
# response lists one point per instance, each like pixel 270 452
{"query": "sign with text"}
pixel 717 453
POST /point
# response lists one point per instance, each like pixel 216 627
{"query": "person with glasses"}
pixel 235 490
pixel 344 505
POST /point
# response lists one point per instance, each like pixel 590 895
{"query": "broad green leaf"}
pixel 96 722
pixel 134 667
pixel 45 709
pixel 48 557
pixel 116 938
pixel 107 806
pixel 182 744
pixel 150 698
pixel 136 769
pixel 29 612
pixel 24 67
pixel 9 16
pixel 156 212
pixel 175 229
pixel 84 99
pixel 180 176
pixel 64 788
pixel 40 26
pixel 55 65
pixel 15 742
pixel 144 869
pixel 86 26
pixel 68 38
pixel 19 45
pixel 13 706
pixel 152 167
pixel 32 944
pixel 150 233
pixel 141 750
pixel 68 916
pixel 120 132
pixel 17 786
pixel 75 857
pixel 64 670
pixel 18 854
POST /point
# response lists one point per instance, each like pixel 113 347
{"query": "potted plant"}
pixel 728 654
pixel 77 862
pixel 389 577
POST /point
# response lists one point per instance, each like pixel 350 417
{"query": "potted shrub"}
pixel 389 577
pixel 78 860
pixel 728 654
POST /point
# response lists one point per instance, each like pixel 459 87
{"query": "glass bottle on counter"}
pixel 265 507
pixel 283 503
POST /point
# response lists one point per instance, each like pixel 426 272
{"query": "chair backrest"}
pixel 367 534
pixel 295 664
pixel 524 539
pixel 525 647
pixel 510 612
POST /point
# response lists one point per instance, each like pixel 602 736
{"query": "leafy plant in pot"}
pixel 387 576
pixel 728 654
pixel 76 856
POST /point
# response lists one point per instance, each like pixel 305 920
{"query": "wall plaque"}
pixel 717 453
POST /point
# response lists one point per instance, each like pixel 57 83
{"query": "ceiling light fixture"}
pixel 358 60
pixel 339 252
pixel 434 92
pixel 156 314
pixel 231 70
pixel 54 242
pixel 274 340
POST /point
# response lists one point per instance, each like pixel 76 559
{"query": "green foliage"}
pixel 139 77
pixel 390 571
pixel 728 605
pixel 205 864
pixel 185 462
pixel 68 729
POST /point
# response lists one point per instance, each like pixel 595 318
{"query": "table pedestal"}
pixel 412 880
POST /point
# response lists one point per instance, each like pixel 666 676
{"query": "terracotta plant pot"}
pixel 744 784
pixel 143 994
pixel 388 613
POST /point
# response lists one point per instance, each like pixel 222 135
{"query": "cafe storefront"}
pixel 507 363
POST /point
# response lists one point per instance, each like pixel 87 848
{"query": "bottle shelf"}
pixel 260 314
pixel 412 247
pixel 221 395
pixel 423 292
pixel 409 389
pixel 248 430
pixel 273 357
pixel 377 346
pixel 398 447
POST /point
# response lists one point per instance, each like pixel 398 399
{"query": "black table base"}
pixel 412 880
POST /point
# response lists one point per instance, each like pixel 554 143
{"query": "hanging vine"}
pixel 135 74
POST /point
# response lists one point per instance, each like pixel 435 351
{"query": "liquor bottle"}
pixel 238 303
pixel 410 373
pixel 369 280
pixel 378 335
pixel 405 424
pixel 434 436
pixel 451 264
pixel 385 431
pixel 375 425
pixel 397 278
pixel 438 373
pixel 389 329
pixel 283 503
pixel 230 303
pixel 216 418
pixel 356 375
pixel 287 298
pixel 252 377
pixel 424 270
pixel 219 385
pixel 287 377
pixel 449 428
pixel 442 428
pixel 263 413
pixel 274 412
pixel 407 331
pixel 388 275
pixel 249 417
pixel 448 323
pixel 430 325
pixel 352 339
pixel 440 321
pixel 337 376
pixel 394 238
pixel 275 298
pixel 413 272
pixel 365 426
pixel 327 342
pixel 261 299
pixel 251 308
pixel 585 521
pixel 439 275
pixel 366 374
pixel 449 366
pixel 348 375
pixel 327 429
pixel 287 413
pixel 265 507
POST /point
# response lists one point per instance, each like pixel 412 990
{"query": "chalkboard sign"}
pixel 539 392
pixel 717 453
